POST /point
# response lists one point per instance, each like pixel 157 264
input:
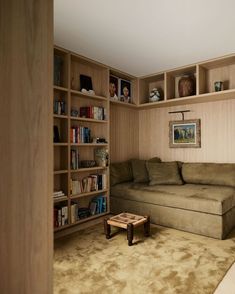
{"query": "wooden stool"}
pixel 127 221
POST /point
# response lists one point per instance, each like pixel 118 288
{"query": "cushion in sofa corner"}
pixel 221 174
pixel 120 172
pixel 164 173
pixel 140 173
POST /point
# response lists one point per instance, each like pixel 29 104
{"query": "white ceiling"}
pixel 143 37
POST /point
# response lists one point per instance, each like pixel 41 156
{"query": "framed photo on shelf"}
pixel 125 91
pixel 113 87
pixel 185 134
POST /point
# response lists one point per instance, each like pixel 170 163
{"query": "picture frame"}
pixel 185 133
pixel 125 91
pixel 113 87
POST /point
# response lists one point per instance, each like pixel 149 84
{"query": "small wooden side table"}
pixel 127 221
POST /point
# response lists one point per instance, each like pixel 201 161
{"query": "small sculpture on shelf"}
pixel 218 86
pixel 155 95
pixel 187 86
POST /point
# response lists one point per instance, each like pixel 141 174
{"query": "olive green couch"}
pixel 200 199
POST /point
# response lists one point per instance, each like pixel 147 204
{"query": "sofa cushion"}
pixel 202 198
pixel 140 173
pixel 164 173
pixel 222 174
pixel 120 172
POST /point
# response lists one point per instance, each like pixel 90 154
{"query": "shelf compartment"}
pixel 62 127
pixel 97 72
pixel 60 157
pixel 61 183
pixel 221 70
pixel 60 69
pixel 58 109
pixel 133 89
pixel 146 84
pixel 172 80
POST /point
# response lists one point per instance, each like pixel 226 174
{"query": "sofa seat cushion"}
pixel 202 198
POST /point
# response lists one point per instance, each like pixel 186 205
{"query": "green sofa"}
pixel 199 199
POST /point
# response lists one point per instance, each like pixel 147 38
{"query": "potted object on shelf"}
pixel 187 86
pixel 156 94
pixel 218 86
pixel 101 156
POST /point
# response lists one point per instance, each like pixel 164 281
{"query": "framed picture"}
pixel 185 134
pixel 113 87
pixel 125 91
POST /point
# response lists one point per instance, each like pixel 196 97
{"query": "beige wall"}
pixel 217 132
pixel 124 133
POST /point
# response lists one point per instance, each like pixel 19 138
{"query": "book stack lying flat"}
pixel 58 194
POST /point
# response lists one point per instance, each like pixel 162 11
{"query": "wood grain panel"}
pixel 217 133
pixel 26 49
pixel 124 133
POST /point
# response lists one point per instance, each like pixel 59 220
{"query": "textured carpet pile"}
pixel 170 261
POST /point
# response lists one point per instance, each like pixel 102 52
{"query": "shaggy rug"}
pixel 170 261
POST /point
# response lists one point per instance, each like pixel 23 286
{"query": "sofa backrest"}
pixel 221 174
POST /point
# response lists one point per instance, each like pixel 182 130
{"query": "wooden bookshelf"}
pixel 205 73
pixel 68 97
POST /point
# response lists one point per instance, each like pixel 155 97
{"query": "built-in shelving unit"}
pixel 205 73
pixel 68 102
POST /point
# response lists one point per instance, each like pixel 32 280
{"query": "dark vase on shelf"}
pixel 187 86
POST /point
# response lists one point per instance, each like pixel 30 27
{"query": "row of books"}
pixel 94 182
pixel 79 134
pixel 59 107
pixel 95 112
pixel 97 205
pixel 74 159
pixel 60 215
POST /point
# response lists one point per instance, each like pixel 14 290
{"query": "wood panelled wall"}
pixel 124 133
pixel 26 231
pixel 217 133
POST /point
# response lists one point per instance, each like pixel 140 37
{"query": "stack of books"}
pixel 58 194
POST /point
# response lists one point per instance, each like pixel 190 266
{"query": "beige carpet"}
pixel 169 261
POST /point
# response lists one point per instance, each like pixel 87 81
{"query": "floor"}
pixel 168 262
pixel 227 286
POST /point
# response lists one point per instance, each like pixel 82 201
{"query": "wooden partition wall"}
pixel 124 133
pixel 26 146
pixel 217 132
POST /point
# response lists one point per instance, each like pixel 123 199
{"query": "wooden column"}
pixel 26 238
